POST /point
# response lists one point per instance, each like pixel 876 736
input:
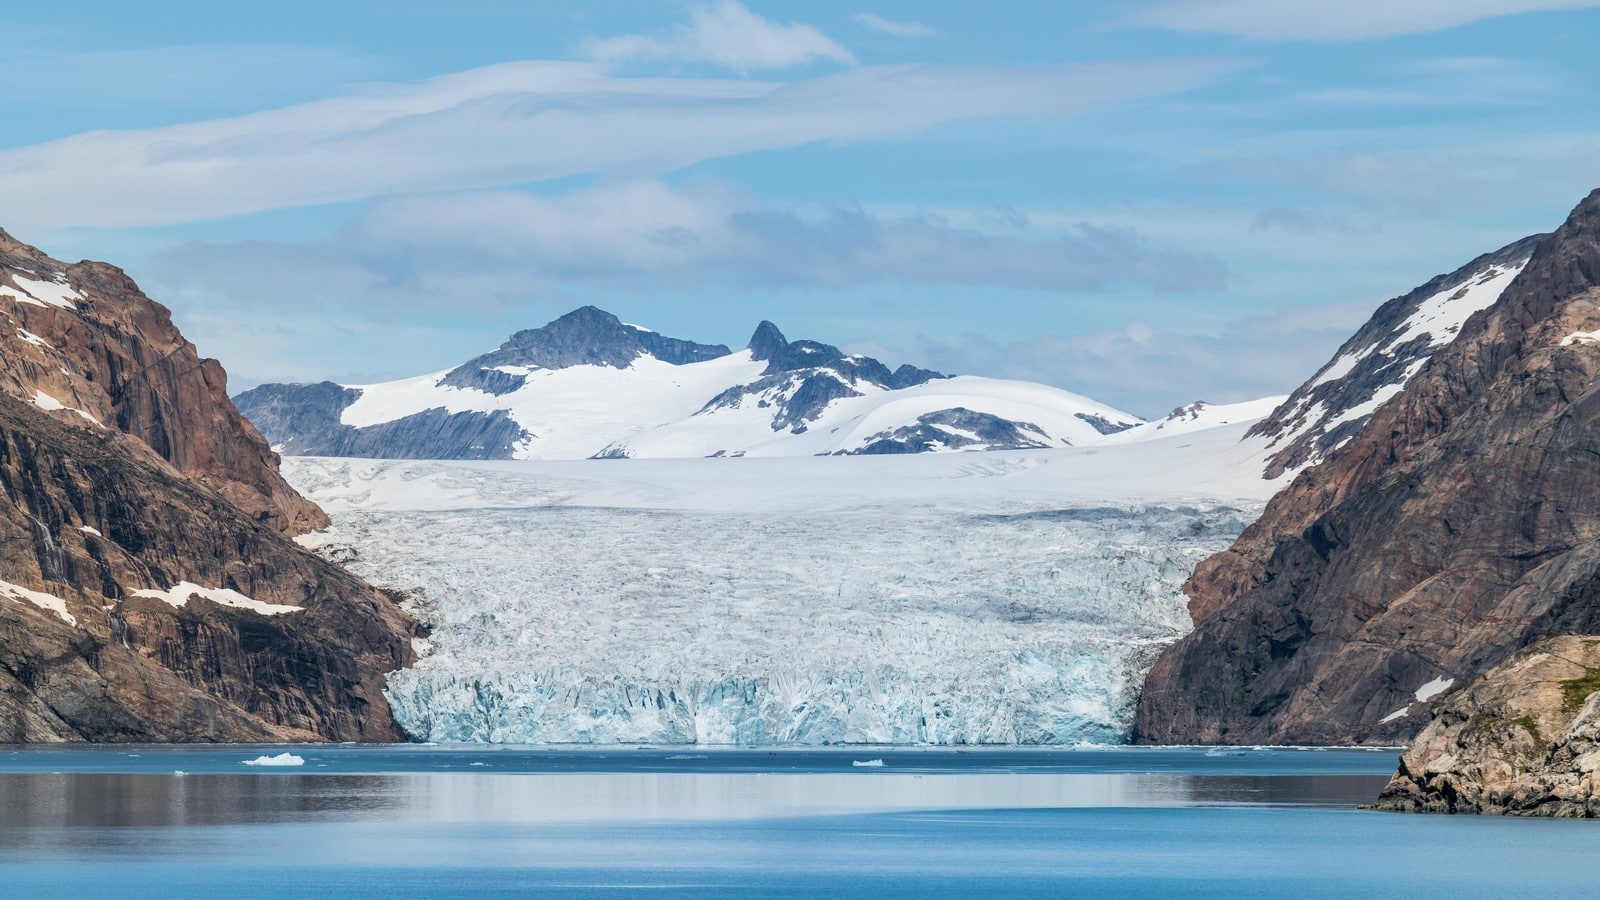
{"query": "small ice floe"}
pixel 1218 751
pixel 178 773
pixel 1433 689
pixel 688 756
pixel 282 759
pixel 867 763
pixel 477 764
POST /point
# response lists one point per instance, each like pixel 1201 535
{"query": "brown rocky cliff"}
pixel 1524 740
pixel 124 470
pixel 113 353
pixel 1457 527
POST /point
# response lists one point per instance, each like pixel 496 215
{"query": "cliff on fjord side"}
pixel 1524 740
pixel 149 588
pixel 1456 528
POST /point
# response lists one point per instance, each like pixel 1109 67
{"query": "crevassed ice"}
pixel 876 625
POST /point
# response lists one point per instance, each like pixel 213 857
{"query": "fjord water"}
pixel 474 821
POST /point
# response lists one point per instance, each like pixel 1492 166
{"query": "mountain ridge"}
pixel 588 385
pixel 1446 534
pixel 149 589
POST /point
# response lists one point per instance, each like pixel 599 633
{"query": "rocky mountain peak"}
pixel 1453 529
pixel 1375 364
pixel 587 336
pixel 153 593
pixel 767 342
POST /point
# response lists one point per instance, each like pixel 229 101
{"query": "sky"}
pixel 1144 201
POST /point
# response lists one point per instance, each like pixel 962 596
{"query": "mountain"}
pixel 1197 416
pixel 1382 357
pixel 1423 551
pixel 149 586
pixel 589 385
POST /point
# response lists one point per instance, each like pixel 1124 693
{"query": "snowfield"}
pixel 1005 597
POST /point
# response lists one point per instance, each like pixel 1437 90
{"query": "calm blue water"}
pixel 486 822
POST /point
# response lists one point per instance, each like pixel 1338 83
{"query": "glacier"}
pixel 1013 599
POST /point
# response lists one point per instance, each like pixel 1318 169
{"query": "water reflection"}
pixel 33 802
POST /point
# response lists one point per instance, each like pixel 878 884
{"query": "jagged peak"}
pixel 767 342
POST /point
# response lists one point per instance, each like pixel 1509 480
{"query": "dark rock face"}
pixel 1103 424
pixel 1453 530
pixel 116 479
pixel 583 337
pixel 303 420
pixel 117 357
pixel 956 427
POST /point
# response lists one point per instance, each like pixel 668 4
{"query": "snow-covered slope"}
pixel 1015 596
pixel 588 385
pixel 1197 416
pixel 1382 357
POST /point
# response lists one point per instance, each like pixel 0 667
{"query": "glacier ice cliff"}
pixel 907 623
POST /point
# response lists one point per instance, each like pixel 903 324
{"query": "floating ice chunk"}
pixel 867 763
pixel 282 759
pixel 1433 689
pixel 180 593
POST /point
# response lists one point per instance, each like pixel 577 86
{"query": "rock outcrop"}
pixel 1523 741
pixel 149 588
pixel 1456 528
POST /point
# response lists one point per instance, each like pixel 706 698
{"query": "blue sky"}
pixel 1147 202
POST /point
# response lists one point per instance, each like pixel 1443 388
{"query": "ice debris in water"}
pixel 282 759
pixel 867 764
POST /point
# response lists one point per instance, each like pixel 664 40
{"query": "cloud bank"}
pixel 525 122
pixel 461 251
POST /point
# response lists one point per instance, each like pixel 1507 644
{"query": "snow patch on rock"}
pixel 178 595
pixel 38 598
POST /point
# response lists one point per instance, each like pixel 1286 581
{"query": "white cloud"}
pixel 1339 20
pixel 524 122
pixel 891 27
pixel 725 34
pixel 646 235
pixel 1148 370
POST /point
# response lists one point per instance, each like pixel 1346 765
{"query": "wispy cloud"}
pixel 1425 184
pixel 1137 366
pixel 725 34
pixel 648 235
pixel 1345 20
pixel 891 27
pixel 1299 220
pixel 524 122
